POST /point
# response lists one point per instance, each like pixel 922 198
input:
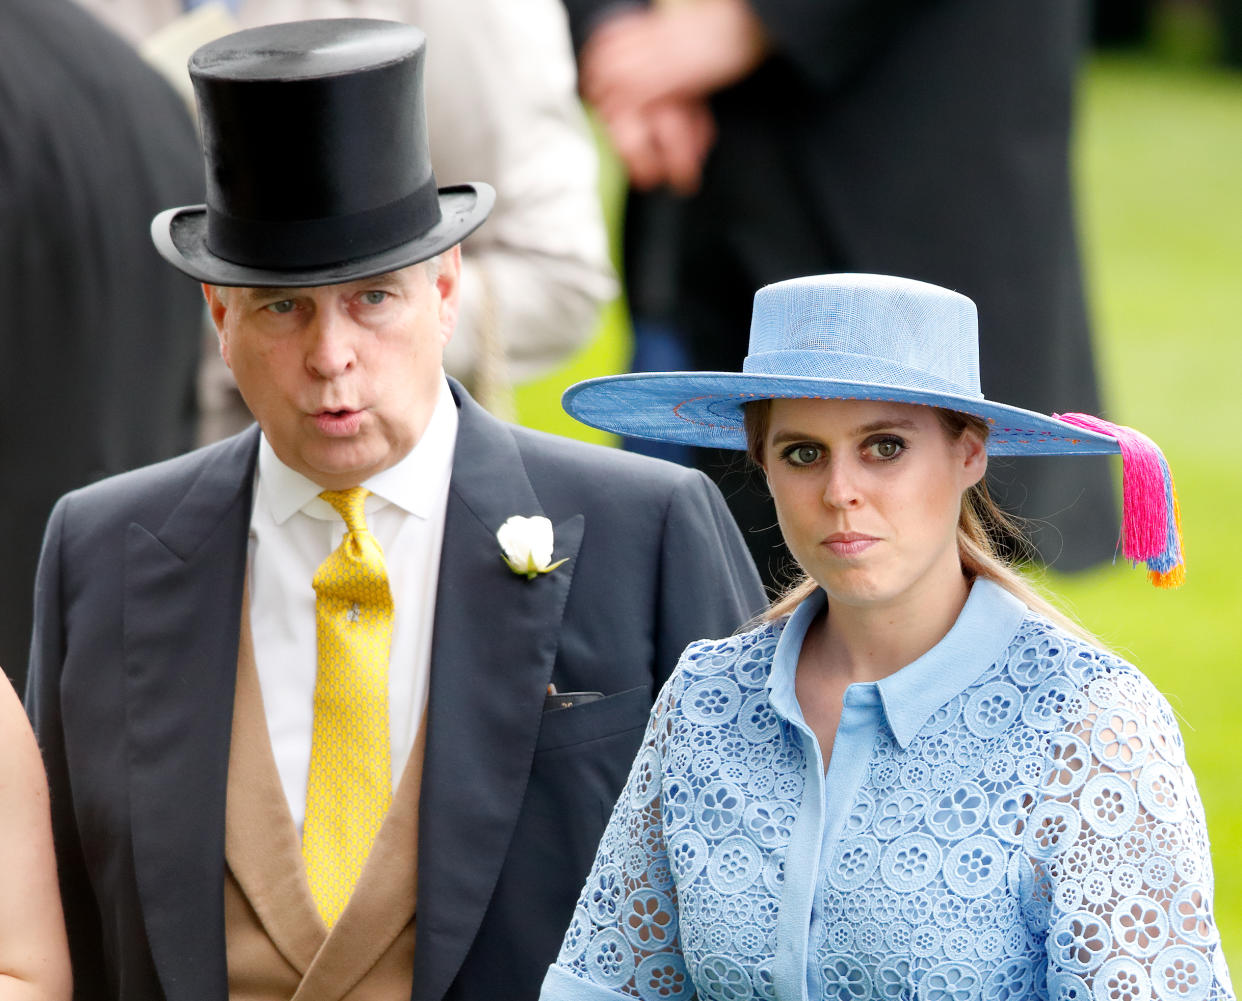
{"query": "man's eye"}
pixel 887 448
pixel 374 297
pixel 283 306
pixel 801 455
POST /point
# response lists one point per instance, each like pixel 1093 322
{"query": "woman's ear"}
pixel 974 458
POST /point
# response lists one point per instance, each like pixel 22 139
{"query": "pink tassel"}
pixel 1151 523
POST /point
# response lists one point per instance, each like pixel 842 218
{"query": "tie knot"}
pixel 348 504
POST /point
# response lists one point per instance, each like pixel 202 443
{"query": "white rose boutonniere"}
pixel 526 545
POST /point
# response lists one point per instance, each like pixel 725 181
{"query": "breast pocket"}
pixel 599 720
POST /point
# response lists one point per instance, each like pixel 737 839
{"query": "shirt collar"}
pixel 909 696
pixel 414 484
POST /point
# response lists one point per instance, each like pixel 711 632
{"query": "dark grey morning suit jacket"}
pixel 132 680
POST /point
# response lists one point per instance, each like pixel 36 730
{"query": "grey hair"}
pixel 433 266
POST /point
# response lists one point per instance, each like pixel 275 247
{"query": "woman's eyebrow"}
pixel 791 434
pixel 886 424
pixel 883 424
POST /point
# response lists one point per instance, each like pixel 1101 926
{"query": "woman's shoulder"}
pixel 1040 640
pixel 745 655
pixel 1075 676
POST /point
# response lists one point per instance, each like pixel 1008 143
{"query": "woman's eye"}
pixel 374 297
pixel 887 448
pixel 283 306
pixel 802 455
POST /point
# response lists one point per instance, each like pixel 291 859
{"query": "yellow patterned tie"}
pixel 350 781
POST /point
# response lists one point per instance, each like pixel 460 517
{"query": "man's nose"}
pixel 332 348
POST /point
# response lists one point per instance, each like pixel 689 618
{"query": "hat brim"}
pixel 180 236
pixel 705 409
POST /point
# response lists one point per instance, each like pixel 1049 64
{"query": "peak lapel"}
pixel 496 637
pixel 182 603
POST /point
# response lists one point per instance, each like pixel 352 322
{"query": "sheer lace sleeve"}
pixel 1119 849
pixel 623 939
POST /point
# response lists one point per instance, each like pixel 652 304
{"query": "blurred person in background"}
pixel 100 340
pixel 502 108
pixel 914 138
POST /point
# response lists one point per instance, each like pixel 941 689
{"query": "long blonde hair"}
pixel 980 526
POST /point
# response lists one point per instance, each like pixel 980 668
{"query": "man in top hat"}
pixel 320 719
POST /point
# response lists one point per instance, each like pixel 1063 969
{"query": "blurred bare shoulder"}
pixel 34 953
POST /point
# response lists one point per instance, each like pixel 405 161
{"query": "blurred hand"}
pixel 663 144
pixel 683 52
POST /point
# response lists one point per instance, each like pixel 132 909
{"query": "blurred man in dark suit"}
pixel 904 137
pixel 99 337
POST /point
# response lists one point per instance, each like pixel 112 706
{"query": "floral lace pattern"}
pixel 1039 837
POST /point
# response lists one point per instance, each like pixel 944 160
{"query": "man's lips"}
pixel 338 423
pixel 849 543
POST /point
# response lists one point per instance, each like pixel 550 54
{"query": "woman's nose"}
pixel 841 489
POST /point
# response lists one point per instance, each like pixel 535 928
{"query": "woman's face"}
pixel 868 495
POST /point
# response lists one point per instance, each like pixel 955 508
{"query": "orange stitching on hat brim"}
pixel 885 399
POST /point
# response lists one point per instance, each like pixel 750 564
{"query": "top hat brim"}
pixel 705 409
pixel 180 236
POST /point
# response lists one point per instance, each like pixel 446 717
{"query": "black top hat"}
pixel 318 172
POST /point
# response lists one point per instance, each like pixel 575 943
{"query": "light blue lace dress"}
pixel 1009 817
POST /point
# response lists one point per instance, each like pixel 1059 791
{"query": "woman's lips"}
pixel 848 544
pixel 338 423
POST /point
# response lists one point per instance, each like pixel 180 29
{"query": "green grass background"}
pixel 1159 173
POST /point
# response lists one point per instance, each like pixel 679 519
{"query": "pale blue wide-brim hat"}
pixel 837 337
pixel 873 337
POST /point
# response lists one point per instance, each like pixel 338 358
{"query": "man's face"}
pixel 342 378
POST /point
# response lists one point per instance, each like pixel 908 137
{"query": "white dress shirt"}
pixel 292 531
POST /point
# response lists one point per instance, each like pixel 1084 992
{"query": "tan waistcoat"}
pixel 278 947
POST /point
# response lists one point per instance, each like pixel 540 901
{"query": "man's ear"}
pixel 217 307
pixel 448 284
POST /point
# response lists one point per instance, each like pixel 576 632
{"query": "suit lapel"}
pixel 182 606
pixel 495 640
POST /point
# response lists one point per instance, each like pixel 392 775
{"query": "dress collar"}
pixel 910 695
pixel 413 484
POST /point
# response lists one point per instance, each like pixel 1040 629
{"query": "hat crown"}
pixel 867 328
pixel 306 50
pixel 315 141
